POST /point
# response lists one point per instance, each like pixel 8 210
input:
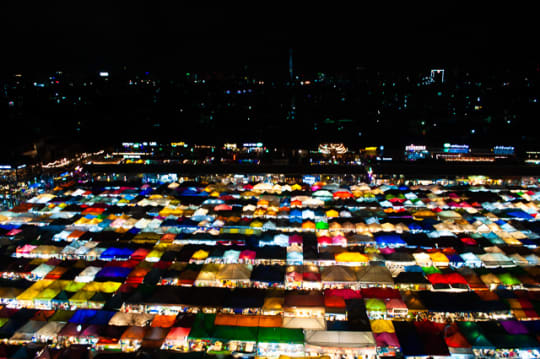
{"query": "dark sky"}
pixel 98 34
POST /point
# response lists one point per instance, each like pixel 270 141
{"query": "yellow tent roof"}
pixel 59 284
pixel 28 294
pixel 332 213
pixel 104 287
pixel 438 257
pixel 82 296
pixel 200 254
pixel 351 257
pixel 256 224
pixel 273 303
pixel 382 326
pixel 110 287
pixel 424 214
pixel 74 286
pixel 154 253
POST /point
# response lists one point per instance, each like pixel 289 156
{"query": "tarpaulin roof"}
pixel 386 339
pixel 373 274
pixel 340 339
pixel 411 342
pixel 474 335
pixel 229 333
pixel 280 335
pixel 382 326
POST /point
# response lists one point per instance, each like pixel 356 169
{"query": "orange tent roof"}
pixel 248 320
pixel 163 321
pixel 270 321
pixel 333 301
pixel 308 225
pixel 76 234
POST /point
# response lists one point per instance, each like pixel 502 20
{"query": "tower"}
pixel 290 64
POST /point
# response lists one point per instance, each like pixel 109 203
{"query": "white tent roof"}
pixel 304 323
pixel 26 332
pixel 50 329
pixel 338 338
pixel 131 319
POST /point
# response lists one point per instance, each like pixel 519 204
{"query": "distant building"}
pixel 415 152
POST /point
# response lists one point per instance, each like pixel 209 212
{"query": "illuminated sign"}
pixel 309 179
pixel 253 144
pixel 413 148
pixel 178 144
pixel 503 150
pixel 451 148
pixel 103 74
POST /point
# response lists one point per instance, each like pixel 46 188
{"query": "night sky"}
pixel 154 35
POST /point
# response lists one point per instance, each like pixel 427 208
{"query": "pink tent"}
pixel 386 340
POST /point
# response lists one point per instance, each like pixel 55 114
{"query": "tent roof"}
pixel 344 339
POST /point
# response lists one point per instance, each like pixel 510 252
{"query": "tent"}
pixel 351 257
pixel 338 274
pixel 339 339
pixel 382 326
pixel 304 323
pixel 374 276
pixel 280 335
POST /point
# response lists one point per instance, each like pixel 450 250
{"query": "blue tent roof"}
pixel 295 213
pixel 188 223
pixel 116 253
pixel 414 226
pixel 389 240
pixel 454 258
pixel 81 316
pixel 520 215
pixel 102 317
pixel 529 242
pixel 112 272
pixel 414 268
pixel 170 223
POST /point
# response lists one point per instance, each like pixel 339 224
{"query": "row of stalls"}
pixel 400 270
pixel 141 295
pixel 263 335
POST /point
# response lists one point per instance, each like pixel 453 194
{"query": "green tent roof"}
pixel 375 305
pixel 227 333
pixel 281 335
pixel 203 327
pixel 508 279
pixel 321 225
pixel 47 294
pixel 430 270
pixel 61 315
pixel 474 335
